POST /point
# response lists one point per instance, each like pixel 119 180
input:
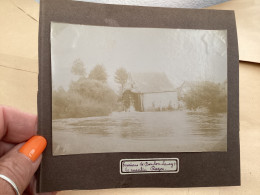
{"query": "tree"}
pixel 59 103
pixel 121 77
pixel 98 73
pixel 78 68
pixel 209 95
pixel 84 98
pixel 90 98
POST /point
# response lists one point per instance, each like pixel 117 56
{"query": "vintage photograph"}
pixel 126 89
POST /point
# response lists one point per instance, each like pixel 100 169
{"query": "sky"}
pixel 182 54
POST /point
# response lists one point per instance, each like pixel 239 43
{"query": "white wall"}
pixel 159 100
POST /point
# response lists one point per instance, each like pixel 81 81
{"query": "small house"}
pixel 149 91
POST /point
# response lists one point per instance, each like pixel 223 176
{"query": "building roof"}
pixel 149 82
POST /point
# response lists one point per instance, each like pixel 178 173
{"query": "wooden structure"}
pixel 150 91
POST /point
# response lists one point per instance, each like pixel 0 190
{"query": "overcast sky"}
pixel 184 55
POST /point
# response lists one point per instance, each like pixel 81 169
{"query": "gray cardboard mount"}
pixel 99 171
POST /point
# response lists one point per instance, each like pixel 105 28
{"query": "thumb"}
pixel 20 164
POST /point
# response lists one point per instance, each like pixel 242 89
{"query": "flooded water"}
pixel 176 131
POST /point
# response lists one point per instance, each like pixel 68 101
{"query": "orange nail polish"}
pixel 34 147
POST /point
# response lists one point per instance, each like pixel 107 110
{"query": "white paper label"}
pixel 151 165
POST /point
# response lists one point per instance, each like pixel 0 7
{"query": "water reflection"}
pixel 179 130
pixel 208 124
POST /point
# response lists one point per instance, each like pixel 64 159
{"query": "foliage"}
pixel 98 73
pixel 209 95
pixel 59 103
pixel 121 77
pixel 78 68
pixel 86 97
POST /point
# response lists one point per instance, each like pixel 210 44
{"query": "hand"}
pixel 15 161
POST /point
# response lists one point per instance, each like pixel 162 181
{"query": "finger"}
pixel 5 147
pixel 31 188
pixel 20 163
pixel 16 126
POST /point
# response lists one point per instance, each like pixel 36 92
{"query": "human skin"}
pixel 16 128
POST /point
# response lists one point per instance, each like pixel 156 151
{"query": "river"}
pixel 176 131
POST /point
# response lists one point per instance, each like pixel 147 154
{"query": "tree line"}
pixel 89 95
pixel 206 95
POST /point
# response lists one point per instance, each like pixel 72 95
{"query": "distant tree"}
pixel 59 103
pixel 98 73
pixel 209 95
pixel 86 96
pixel 121 77
pixel 90 98
pixel 78 68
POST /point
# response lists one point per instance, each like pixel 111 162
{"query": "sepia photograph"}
pixel 132 89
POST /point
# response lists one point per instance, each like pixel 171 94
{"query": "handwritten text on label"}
pixel 153 165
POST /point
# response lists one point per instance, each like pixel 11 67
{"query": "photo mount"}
pixel 101 171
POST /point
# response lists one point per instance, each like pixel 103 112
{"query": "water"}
pixel 177 131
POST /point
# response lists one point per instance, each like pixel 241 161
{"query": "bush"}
pixel 209 95
pixel 85 98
